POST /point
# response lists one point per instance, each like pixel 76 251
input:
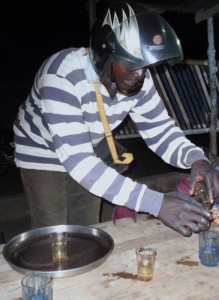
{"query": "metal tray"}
pixel 31 251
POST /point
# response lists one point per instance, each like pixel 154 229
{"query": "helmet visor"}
pixel 144 39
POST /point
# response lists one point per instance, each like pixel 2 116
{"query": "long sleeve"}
pixel 160 132
pixel 58 126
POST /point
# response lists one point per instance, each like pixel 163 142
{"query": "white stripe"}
pixel 17 131
pixel 153 132
pixel 172 147
pixel 49 62
pixel 33 151
pixel 64 129
pixel 104 182
pixel 40 166
pixel 140 196
pixel 65 151
pixel 126 189
pixel 83 168
pixel 34 137
pixel 52 80
pixel 55 107
pixel 165 136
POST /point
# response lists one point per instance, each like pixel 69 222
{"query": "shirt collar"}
pixel 89 71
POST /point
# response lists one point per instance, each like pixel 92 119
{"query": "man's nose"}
pixel 139 73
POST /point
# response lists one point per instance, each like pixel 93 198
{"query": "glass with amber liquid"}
pixel 59 245
pixel 145 263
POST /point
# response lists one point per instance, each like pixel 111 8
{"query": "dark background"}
pixel 33 30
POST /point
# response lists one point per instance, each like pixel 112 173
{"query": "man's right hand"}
pixel 182 216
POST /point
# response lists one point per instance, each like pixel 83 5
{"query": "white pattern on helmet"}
pixel 126 31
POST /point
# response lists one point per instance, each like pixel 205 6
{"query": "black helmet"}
pixel 129 32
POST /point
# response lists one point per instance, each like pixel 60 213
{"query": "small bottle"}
pixel 201 195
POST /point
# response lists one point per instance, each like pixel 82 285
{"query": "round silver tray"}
pixel 31 251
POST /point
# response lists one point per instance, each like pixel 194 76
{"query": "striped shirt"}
pixel 59 124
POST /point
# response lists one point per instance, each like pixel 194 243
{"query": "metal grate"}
pixel 185 92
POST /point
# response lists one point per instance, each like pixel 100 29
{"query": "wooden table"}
pixel 178 273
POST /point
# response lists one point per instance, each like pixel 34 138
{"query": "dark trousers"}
pixel 54 198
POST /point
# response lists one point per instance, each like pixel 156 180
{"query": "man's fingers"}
pixel 198 211
pixel 184 230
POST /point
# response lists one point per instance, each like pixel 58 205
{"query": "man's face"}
pixel 126 82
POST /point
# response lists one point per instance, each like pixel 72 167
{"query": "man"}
pixel 59 126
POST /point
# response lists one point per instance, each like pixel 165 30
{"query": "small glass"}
pixel 208 248
pixel 145 263
pixel 37 286
pixel 59 245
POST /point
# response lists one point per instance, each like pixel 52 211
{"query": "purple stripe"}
pixel 89 180
pixel 131 203
pixel 95 135
pixel 73 140
pixel 154 140
pixel 57 94
pixel 76 76
pixel 146 126
pixel 53 68
pixel 26 141
pixel 58 119
pixel 121 117
pixel 41 69
pixel 36 159
pixel 157 110
pixel 114 188
pixel 143 96
pixel 163 147
pixel 29 119
pixel 89 97
pixel 71 162
pixel 175 154
pixel 91 117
